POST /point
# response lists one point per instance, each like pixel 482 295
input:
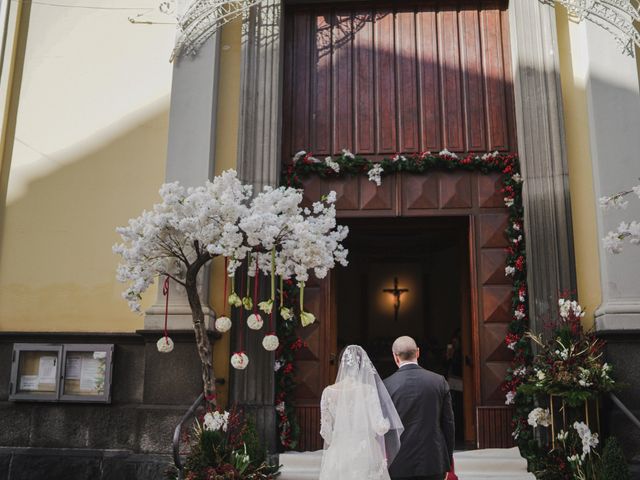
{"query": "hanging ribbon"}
pixel 241 313
pixel 226 277
pixel 256 281
pixel 165 292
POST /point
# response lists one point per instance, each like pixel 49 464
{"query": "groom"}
pixel 424 404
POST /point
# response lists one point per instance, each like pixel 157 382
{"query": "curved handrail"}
pixel 625 410
pixel 176 434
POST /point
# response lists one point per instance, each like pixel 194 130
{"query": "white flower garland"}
pixel 165 345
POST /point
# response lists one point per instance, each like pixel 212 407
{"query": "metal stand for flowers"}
pixel 564 414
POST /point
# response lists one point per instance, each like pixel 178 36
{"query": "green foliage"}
pixel 614 464
pixel 230 452
pixel 253 447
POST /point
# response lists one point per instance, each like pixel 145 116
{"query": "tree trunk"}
pixel 200 329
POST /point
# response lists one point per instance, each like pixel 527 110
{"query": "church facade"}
pixel 95 121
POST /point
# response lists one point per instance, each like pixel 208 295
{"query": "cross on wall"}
pixel 397 293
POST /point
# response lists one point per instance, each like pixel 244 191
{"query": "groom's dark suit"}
pixel 424 404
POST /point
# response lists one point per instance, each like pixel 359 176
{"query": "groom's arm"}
pixel 447 420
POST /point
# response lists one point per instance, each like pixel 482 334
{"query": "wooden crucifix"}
pixel 397 293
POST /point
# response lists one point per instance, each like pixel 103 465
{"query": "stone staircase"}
pixel 499 463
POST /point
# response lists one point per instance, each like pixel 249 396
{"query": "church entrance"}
pixel 381 78
pixel 411 276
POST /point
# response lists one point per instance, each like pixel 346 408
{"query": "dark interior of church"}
pixel 406 276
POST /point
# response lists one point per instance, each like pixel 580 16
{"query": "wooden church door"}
pixel 383 78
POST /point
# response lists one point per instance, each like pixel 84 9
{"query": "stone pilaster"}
pixel 541 146
pixel 259 165
pixel 190 160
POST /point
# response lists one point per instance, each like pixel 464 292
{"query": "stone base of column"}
pixel 618 316
pixel 179 318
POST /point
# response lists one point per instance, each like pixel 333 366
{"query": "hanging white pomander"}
pixel 165 345
pixel 254 321
pixel 270 342
pixel 223 324
pixel 239 360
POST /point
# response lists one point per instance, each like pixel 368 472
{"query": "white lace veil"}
pixel 364 409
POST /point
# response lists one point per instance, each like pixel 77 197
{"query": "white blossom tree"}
pixel 190 227
pixel 629 231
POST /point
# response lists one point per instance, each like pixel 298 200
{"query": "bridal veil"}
pixel 359 423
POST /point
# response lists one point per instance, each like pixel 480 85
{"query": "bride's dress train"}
pixel 359 424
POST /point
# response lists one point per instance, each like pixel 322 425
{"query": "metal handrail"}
pixel 176 434
pixel 625 410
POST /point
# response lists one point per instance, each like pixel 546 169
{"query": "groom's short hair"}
pixel 405 348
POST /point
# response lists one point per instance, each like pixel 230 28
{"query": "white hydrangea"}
pixel 270 342
pixel 509 270
pixel 447 153
pixel 347 154
pixel 239 360
pixel 375 174
pixel 516 177
pixel 254 321
pixel 165 345
pixel 214 421
pixel 223 324
pixel 487 156
pixel 510 398
pixel 508 201
pixel 333 165
pixel 539 417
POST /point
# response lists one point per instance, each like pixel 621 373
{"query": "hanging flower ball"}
pixel 270 342
pixel 239 360
pixel 165 345
pixel 254 321
pixel 223 324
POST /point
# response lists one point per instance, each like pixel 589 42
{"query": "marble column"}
pixel 259 165
pixel 541 145
pixel 190 160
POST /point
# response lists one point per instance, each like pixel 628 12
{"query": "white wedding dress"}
pixel 359 424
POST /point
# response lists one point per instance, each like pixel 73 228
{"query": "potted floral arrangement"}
pixel 224 445
pixel 563 385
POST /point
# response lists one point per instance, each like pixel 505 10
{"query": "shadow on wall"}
pixel 57 271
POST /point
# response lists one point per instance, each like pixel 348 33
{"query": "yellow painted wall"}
pixel 90 150
pixel 226 155
pixel 583 201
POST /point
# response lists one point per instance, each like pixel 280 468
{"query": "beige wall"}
pixel 583 202
pixel 90 149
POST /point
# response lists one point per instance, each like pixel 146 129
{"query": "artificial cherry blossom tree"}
pixel 630 231
pixel 272 233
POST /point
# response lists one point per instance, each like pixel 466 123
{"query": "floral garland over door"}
pixel 305 165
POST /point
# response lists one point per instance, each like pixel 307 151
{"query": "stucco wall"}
pixel 90 148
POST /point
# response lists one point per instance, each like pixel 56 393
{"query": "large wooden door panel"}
pixel 397 77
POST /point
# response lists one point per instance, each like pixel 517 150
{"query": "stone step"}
pixel 499 463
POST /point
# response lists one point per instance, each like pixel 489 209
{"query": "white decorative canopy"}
pixel 200 19
pixel 620 17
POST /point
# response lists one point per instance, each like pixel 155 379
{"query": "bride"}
pixel 359 424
